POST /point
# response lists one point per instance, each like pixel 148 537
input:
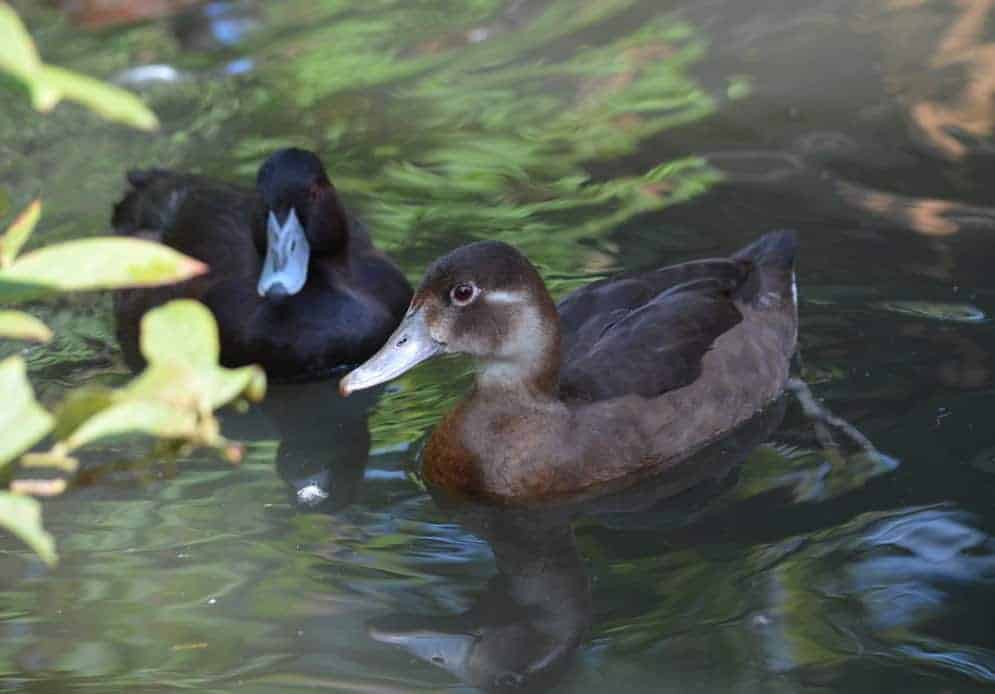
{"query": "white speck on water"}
pixel 478 35
pixel 761 620
pixel 311 494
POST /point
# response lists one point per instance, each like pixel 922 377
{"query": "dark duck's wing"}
pixel 208 220
pixel 647 334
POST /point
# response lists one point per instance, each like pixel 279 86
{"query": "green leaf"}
pixel 19 57
pixel 17 325
pixel 49 84
pixel 23 422
pixel 173 398
pixel 18 54
pixel 21 515
pixel 182 330
pixel 18 232
pixel 155 418
pixel 226 385
pixel 113 103
pixel 101 263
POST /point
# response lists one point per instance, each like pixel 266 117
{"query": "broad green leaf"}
pixel 23 422
pixel 198 389
pixel 18 232
pixel 182 330
pixel 17 325
pixel 226 385
pixel 102 263
pixel 155 418
pixel 113 103
pixel 19 57
pixel 48 84
pixel 173 398
pixel 18 54
pixel 21 515
pixel 174 383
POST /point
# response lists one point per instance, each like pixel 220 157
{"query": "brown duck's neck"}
pixel 529 368
pixel 503 381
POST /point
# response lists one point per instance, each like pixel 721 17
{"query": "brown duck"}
pixel 625 376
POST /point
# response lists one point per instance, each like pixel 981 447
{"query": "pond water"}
pixel 599 136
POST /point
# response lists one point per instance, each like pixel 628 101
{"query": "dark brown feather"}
pixel 653 348
pixel 647 334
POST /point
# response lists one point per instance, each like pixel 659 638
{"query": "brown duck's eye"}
pixel 464 293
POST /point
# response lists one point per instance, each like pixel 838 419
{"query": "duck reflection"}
pixel 527 623
pixel 324 443
pixel 324 440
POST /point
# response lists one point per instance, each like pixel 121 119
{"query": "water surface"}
pixel 598 136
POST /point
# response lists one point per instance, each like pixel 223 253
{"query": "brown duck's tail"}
pixel 148 207
pixel 772 278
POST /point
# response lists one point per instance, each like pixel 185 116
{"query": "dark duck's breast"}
pixel 295 283
pixel 625 376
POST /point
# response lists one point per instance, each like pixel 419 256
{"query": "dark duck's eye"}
pixel 463 293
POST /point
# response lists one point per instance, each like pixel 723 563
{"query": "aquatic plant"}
pixel 173 399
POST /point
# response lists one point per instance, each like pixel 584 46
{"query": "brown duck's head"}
pixel 485 300
pixel 304 218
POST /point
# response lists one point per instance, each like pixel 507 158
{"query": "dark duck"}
pixel 295 283
pixel 625 376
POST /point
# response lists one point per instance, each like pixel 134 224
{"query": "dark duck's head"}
pixel 304 218
pixel 485 300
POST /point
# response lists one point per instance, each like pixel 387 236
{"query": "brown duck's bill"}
pixel 408 346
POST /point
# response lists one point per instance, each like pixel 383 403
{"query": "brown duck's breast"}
pixel 446 461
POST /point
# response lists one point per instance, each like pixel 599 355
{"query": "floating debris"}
pixel 158 73
pixel 937 310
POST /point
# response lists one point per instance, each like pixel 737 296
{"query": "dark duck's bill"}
pixel 288 252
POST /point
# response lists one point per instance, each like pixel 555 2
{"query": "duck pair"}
pixel 624 376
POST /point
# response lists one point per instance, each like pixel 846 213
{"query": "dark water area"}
pixel 599 137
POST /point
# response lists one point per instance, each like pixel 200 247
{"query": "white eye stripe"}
pixel 504 297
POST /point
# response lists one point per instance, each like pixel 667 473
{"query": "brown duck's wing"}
pixel 587 312
pixel 654 347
